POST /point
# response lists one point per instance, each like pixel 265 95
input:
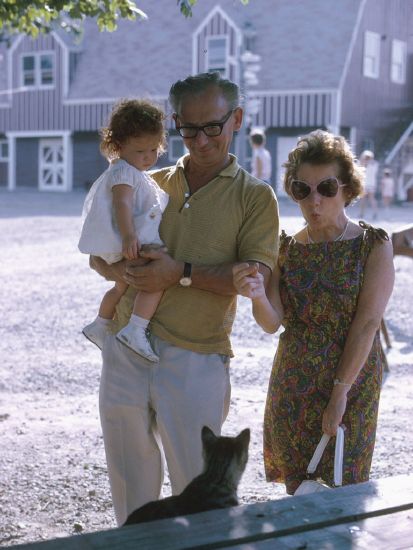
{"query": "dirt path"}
pixel 53 479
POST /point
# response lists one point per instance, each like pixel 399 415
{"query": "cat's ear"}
pixel 208 436
pixel 244 437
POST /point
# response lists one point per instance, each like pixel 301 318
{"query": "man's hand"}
pixel 160 273
pixel 112 272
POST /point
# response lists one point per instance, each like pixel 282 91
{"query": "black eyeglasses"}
pixel 212 129
pixel 327 188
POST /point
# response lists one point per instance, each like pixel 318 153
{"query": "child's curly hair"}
pixel 132 118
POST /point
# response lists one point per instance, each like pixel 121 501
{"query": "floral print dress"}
pixel 319 287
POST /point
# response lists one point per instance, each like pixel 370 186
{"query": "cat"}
pixel 225 459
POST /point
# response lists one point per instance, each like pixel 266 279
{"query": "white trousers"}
pixel 150 410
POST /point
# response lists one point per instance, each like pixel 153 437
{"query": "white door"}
pixel 51 165
pixel 284 146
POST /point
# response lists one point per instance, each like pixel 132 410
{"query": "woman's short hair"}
pixel 321 147
pixel 197 84
pixel 131 118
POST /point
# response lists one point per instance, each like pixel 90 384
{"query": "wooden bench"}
pixel 373 515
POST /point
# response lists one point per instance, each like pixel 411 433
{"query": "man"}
pixel 217 215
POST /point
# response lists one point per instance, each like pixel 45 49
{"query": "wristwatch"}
pixel 186 280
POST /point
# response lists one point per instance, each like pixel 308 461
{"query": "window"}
pixel 38 70
pixel 217 55
pixel 28 70
pixel 176 148
pixel 46 69
pixel 398 62
pixel 371 60
pixel 4 150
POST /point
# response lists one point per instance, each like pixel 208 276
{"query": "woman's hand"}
pixel 334 412
pixel 248 281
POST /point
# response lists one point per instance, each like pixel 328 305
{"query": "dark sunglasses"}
pixel 212 129
pixel 326 188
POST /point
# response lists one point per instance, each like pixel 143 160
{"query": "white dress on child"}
pixel 100 235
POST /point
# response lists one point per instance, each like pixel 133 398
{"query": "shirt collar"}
pixel 229 171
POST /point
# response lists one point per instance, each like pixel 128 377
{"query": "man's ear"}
pixel 175 118
pixel 238 116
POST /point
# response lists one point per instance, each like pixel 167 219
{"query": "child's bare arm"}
pixel 123 208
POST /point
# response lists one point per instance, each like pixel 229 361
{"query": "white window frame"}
pixel 398 61
pixel 211 67
pixel 175 139
pixel 4 158
pixel 37 70
pixel 371 54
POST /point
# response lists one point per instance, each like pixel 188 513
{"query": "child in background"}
pixel 122 212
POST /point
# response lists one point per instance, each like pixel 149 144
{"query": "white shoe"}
pixel 96 332
pixel 135 338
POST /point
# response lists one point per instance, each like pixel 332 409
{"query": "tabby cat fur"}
pixel 225 459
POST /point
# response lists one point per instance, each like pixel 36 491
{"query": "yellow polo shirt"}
pixel 232 218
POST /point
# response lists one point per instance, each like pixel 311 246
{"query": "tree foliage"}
pixel 35 16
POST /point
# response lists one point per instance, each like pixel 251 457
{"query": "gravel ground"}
pixel 53 479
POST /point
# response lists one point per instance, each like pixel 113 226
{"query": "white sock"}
pixel 138 321
pixel 102 320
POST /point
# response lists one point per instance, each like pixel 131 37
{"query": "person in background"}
pixel 261 158
pixel 387 189
pixel 402 240
pixel 217 215
pixel 370 165
pixel 329 291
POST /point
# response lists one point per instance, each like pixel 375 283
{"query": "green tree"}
pixel 35 16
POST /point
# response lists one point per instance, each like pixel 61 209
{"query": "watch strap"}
pixel 187 269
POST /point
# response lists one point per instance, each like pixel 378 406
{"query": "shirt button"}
pixel 186 205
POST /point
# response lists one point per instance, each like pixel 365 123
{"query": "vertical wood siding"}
pixel 216 26
pixel 373 104
pixel 293 110
pixel 45 109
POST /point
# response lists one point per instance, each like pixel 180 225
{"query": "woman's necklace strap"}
pixel 339 238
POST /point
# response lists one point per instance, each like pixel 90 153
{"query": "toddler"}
pixel 122 212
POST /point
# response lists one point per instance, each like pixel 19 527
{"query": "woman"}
pixel 333 281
